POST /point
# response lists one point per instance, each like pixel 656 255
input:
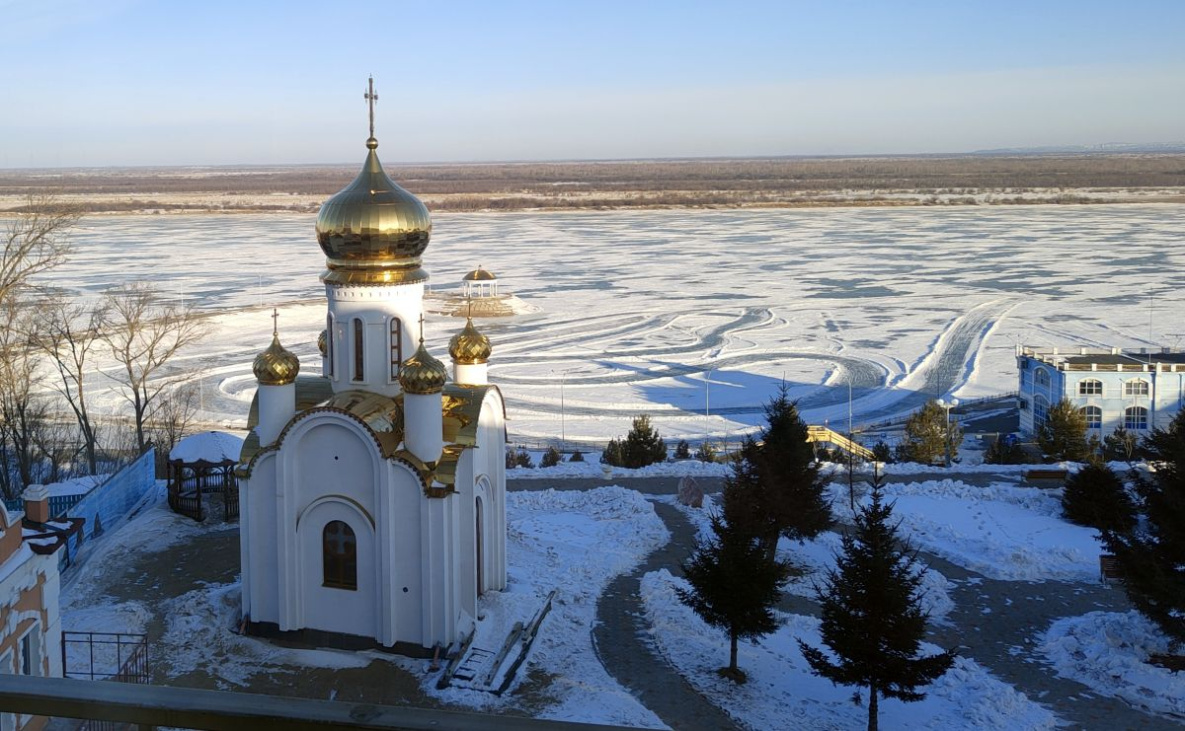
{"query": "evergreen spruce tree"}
pixel 642 446
pixel 1094 496
pixel 551 458
pixel 577 456
pixel 682 450
pixel 872 617
pixel 1121 445
pixel 926 435
pixel 1152 555
pixel 776 489
pixel 1063 434
pixel 706 452
pixel 733 586
pixel 612 454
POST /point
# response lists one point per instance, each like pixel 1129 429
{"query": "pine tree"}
pixel 642 446
pixel 682 450
pixel 926 434
pixel 776 489
pixel 872 618
pixel 612 454
pixel 1062 436
pixel 733 586
pixel 1121 445
pixel 1094 496
pixel 1152 555
pixel 551 458
pixel 577 456
pixel 706 452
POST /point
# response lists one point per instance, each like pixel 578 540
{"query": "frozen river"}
pixel 638 308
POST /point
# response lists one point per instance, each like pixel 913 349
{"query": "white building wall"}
pixel 374 306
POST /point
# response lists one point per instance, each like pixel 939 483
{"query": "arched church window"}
pixel 339 550
pixel 358 352
pixel 396 347
pixel 329 342
pixel 1093 416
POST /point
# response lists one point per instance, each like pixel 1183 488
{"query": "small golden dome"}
pixel 422 374
pixel 469 346
pixel 275 366
pixel 322 342
pixel 480 275
pixel 373 231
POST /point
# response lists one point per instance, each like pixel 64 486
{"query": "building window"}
pixel 1135 417
pixel 358 351
pixel 396 347
pixel 1094 417
pixel 339 550
pixel 329 342
pixel 1090 387
pixel 1042 377
pixel 1135 387
pixel 1040 410
pixel 30 649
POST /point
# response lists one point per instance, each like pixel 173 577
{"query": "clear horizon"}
pixel 126 83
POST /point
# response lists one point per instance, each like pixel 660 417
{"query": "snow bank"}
pixel 1003 532
pixel 1108 651
pixel 783 693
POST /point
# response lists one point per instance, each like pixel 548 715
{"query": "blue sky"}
pixel 156 82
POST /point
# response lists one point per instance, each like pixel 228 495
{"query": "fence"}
pixel 107 504
pixel 58 504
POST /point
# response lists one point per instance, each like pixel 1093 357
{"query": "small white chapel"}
pixel 373 497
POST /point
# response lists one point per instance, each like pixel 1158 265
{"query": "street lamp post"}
pixel 946 407
pixel 707 403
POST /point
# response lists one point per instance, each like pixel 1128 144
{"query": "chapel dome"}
pixel 373 231
pixel 469 346
pixel 479 275
pixel 422 374
pixel 275 366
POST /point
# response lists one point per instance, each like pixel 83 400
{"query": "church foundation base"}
pixel 314 638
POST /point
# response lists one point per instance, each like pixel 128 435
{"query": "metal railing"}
pixel 150 706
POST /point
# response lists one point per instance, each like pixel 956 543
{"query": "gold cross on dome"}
pixel 421 328
pixel 371 98
pixel 275 321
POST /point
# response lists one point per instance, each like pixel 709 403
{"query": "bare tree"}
pixel 173 416
pixel 19 412
pixel 34 241
pixel 56 441
pixel 67 333
pixel 144 333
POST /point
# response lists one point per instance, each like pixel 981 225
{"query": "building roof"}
pixel 480 275
pixel 1086 359
pixel 215 447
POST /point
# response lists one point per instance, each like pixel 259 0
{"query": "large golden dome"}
pixel 373 231
pixel 421 373
pixel 275 366
pixel 469 346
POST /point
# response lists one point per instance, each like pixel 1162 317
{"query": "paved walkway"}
pixel 994 623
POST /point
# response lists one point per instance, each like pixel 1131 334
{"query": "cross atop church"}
pixel 421 328
pixel 275 322
pixel 371 98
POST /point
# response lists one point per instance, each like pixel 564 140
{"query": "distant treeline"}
pixel 776 181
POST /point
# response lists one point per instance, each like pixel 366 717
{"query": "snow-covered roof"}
pixel 208 446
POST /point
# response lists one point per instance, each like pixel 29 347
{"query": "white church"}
pixel 372 497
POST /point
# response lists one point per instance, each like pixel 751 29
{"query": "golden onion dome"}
pixel 421 373
pixel 275 366
pixel 323 342
pixel 469 346
pixel 479 275
pixel 373 231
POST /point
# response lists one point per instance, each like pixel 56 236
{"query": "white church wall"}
pixel 258 521
pixel 334 455
pixel 491 463
pixel 402 523
pixel 374 306
pixel 350 611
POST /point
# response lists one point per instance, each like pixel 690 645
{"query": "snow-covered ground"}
pixel 1001 531
pixel 693 316
pixel 1108 652
pixel 782 692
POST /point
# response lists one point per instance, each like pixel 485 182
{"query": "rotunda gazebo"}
pixel 479 283
pixel 200 464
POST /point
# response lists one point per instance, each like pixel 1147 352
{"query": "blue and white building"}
pixel 1138 391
